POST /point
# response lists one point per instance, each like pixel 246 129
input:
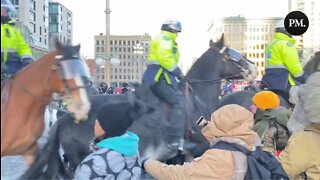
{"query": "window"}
pixel 32 5
pixel 32 16
pixel 15 2
pixel 53 27
pixel 32 27
pixel 40 30
pixel 97 42
pixel 53 19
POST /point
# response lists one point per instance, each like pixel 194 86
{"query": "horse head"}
pixel 72 79
pixel 218 63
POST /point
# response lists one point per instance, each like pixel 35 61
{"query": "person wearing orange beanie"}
pixel 265 105
pixel 266 100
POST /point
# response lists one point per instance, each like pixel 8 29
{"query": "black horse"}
pixel 243 98
pixel 217 63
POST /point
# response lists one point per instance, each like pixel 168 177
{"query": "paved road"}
pixel 12 167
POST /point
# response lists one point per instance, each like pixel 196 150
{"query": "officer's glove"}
pixel 26 61
pixel 177 72
pixel 301 79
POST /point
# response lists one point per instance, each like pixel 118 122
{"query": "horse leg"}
pixel 29 155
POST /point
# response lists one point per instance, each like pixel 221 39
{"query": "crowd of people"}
pixel 291 136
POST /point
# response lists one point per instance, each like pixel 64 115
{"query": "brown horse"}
pixel 24 98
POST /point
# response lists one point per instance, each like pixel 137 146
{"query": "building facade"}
pixel 60 24
pixel 309 42
pixel 32 19
pixel 131 50
pixel 250 36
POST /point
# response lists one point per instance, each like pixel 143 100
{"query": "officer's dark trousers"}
pixel 175 98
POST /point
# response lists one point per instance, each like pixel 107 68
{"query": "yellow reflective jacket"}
pixel 13 43
pixel 282 62
pixel 163 58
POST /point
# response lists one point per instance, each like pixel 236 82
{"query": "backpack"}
pixel 261 164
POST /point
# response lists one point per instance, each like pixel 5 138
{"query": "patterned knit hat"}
pixel 266 100
pixel 115 119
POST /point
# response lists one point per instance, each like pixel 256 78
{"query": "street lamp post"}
pixel 137 50
pixel 104 62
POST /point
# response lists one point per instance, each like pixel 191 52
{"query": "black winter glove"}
pixel 143 163
pixel 177 72
pixel 302 79
pixel 26 61
pixel 283 138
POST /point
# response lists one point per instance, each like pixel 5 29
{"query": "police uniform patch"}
pixel 289 44
pixel 167 38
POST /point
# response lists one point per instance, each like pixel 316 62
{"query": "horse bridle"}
pixel 55 67
pixel 226 57
pixel 67 89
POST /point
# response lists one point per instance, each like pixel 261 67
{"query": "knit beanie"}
pixel 266 100
pixel 115 119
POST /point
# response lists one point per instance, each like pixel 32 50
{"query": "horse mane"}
pixel 195 67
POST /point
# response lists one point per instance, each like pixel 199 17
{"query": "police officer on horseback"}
pixel 161 74
pixel 283 68
pixel 15 52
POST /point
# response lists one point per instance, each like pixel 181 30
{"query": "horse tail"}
pixel 48 163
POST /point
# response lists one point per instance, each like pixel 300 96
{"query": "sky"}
pixel 137 17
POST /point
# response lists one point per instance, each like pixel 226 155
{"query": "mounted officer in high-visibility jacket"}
pixel 161 74
pixel 282 65
pixel 15 52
